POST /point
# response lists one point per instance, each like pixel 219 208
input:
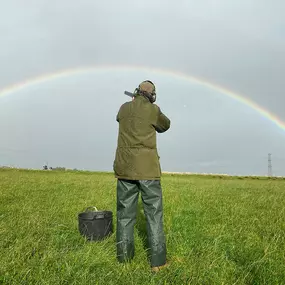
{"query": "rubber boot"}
pixel 127 200
pixel 153 208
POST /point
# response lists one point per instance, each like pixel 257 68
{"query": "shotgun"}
pixel 129 94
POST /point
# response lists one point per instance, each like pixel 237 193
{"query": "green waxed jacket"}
pixel 136 154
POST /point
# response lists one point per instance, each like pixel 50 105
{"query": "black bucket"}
pixel 95 225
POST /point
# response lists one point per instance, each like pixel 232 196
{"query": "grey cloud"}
pixel 238 45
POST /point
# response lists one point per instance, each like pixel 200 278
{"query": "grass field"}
pixel 220 230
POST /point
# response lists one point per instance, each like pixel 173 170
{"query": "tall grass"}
pixel 219 231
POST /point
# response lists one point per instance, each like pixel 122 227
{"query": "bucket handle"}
pixel 91 208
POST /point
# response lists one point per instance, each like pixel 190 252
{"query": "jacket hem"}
pixel 137 178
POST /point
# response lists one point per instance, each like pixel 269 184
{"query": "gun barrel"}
pixel 129 94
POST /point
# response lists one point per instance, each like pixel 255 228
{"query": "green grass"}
pixel 220 230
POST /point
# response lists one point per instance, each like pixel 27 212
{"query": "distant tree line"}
pixel 58 168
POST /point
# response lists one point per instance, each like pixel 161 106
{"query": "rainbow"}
pixel 175 74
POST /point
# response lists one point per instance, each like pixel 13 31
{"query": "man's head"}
pixel 147 89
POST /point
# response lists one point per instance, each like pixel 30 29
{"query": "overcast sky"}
pixel 239 45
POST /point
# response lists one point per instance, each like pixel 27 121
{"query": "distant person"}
pixel 137 169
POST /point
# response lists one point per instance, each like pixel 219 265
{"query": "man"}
pixel 137 169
